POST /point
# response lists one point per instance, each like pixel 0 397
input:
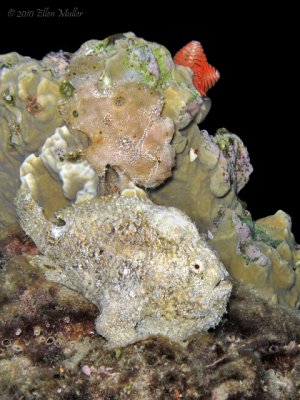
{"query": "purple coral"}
pixel 152 65
pixel 242 228
pixel 237 158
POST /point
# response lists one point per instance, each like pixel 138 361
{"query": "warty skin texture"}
pixel 144 266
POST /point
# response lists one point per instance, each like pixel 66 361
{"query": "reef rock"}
pixel 209 173
pixel 123 97
pixel 125 58
pixel 29 113
pixel 119 117
pixel 49 347
pixel 144 266
pixel 129 98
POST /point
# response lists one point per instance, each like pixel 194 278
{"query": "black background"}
pixel 255 50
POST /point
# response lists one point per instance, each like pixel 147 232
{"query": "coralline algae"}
pixel 144 266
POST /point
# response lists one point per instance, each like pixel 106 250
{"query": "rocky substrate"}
pixel 49 348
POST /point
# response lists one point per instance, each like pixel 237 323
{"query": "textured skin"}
pixel 125 129
pixel 144 266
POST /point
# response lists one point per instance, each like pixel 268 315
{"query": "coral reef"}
pixel 118 115
pixel 49 348
pixel 105 142
pixel 124 94
pixel 144 266
pixel 118 137
pixel 209 173
pixel 129 98
pixel 30 93
pixel 127 58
